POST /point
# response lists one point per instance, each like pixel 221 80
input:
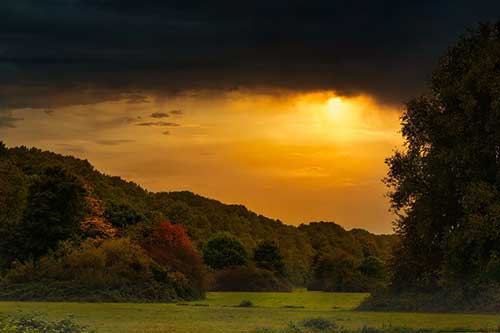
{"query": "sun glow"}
pixel 334 105
pixel 299 156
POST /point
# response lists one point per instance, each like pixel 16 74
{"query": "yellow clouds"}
pixel 294 156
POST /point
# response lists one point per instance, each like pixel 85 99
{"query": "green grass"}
pixel 219 313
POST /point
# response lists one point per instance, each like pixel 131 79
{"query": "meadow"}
pixel 219 312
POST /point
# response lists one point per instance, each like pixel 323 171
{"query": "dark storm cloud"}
pixel 64 52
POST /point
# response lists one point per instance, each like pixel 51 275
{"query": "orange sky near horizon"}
pixel 297 157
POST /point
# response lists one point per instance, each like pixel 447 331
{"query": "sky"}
pixel 288 107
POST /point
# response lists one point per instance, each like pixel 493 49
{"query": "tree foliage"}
pixel 13 194
pixel 170 247
pixel 224 250
pixel 445 183
pixel 109 270
pixel 268 256
pixel 54 210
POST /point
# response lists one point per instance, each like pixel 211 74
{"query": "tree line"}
pixel 68 231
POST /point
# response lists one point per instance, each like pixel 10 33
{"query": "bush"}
pixel 111 270
pixel 479 298
pixel 314 325
pixel 249 279
pixel 319 324
pixel 245 304
pixel 37 323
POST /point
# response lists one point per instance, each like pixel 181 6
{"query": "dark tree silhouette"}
pixel 268 256
pixel 224 250
pixel 55 208
pixel 445 184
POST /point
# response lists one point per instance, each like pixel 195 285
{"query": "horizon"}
pixel 325 175
pixel 293 120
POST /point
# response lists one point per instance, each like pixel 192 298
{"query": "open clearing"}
pixel 218 313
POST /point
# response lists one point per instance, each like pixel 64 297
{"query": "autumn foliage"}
pixel 170 247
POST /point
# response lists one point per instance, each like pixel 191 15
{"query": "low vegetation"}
pixel 37 323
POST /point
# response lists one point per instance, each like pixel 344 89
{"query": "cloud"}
pixel 8 121
pixel 57 53
pixel 158 123
pixel 137 99
pixel 70 148
pixel 166 133
pixel 160 115
pixel 112 142
pixel 176 112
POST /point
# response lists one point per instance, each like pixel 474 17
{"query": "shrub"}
pixel 111 270
pixel 248 279
pixel 224 250
pixel 480 298
pixel 245 304
pixel 37 323
pixel 319 324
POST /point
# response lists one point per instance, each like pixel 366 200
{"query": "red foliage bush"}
pixel 170 247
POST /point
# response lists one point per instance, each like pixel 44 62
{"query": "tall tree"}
pixel 445 183
pixel 55 208
pixel 13 193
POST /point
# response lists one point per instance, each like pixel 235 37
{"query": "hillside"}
pixel 118 205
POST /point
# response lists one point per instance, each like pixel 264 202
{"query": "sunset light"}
pixel 249 166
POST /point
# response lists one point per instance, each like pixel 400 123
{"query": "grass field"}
pixel 218 314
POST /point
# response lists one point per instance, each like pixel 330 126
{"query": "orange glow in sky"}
pixel 298 157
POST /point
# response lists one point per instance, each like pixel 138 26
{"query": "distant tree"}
pixel 373 267
pixel 55 207
pixel 122 215
pixel 224 250
pixel 445 183
pixel 337 272
pixel 3 149
pixel 267 255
